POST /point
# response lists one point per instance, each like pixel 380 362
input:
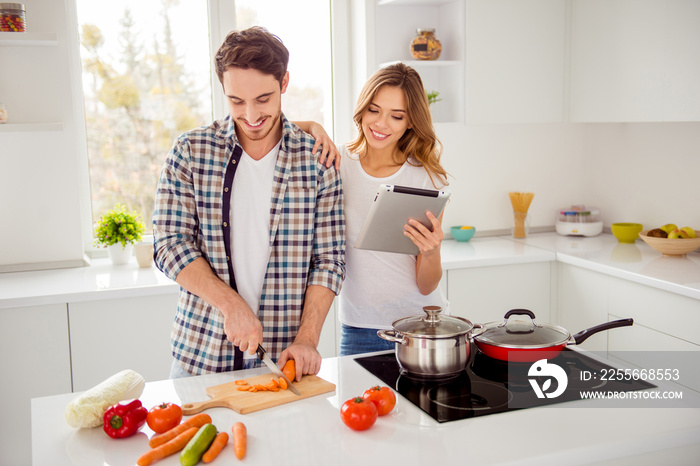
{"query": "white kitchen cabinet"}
pixel 582 302
pixel 635 60
pixel 329 340
pixel 44 140
pixel 108 336
pixel 390 29
pixel 662 320
pixel 485 294
pixel 35 362
pixel 516 59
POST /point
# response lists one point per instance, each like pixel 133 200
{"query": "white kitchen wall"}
pixel 643 172
pixel 634 172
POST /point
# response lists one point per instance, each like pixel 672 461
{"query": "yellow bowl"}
pixel 672 246
pixel 626 232
pixel 462 234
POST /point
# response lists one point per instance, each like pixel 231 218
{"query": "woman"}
pixel 396 144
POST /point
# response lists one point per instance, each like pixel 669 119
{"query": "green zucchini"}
pixel 199 444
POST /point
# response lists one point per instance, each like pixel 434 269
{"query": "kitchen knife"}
pixel 276 370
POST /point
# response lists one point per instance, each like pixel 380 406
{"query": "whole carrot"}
pixel 198 420
pixel 240 439
pixel 215 448
pixel 168 448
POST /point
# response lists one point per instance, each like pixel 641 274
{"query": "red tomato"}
pixel 358 413
pixel 382 397
pixel 163 417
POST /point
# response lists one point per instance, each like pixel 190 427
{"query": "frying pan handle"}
pixel 515 312
pixel 390 335
pixel 581 336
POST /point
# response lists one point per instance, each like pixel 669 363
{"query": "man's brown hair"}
pixel 254 48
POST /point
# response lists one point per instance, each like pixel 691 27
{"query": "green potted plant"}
pixel 433 97
pixel 118 230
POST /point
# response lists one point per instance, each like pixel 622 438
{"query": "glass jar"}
pixel 426 46
pixel 3 113
pixel 12 17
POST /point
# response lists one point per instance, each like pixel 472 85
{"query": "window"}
pixel 147 78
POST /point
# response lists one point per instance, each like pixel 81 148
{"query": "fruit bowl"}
pixel 672 246
pixel 626 232
pixel 462 233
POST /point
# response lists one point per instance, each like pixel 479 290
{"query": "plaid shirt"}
pixel 191 220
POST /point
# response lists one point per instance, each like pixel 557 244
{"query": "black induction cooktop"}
pixel 490 386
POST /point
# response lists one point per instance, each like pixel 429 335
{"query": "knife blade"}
pixel 276 370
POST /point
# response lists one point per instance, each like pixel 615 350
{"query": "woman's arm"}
pixel 323 140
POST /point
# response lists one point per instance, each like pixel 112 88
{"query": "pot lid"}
pixel 432 324
pixel 522 334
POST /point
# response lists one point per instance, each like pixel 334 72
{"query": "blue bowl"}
pixel 462 234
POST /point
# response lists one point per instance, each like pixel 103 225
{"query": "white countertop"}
pixel 635 262
pixel 100 280
pixel 310 431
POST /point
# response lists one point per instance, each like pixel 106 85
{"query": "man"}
pixel 249 224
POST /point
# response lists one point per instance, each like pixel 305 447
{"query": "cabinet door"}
pixel 35 362
pixel 515 60
pixel 485 294
pixel 635 60
pixel 583 303
pixel 109 336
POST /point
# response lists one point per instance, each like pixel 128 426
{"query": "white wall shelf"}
pixel 28 39
pixel 425 63
pixel 16 127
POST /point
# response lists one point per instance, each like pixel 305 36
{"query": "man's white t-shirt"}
pixel 379 287
pixel 251 200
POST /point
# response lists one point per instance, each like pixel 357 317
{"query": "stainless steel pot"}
pixel 431 345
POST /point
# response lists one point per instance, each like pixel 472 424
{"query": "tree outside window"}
pixel 146 80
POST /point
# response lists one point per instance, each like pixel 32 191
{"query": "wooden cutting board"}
pixel 227 395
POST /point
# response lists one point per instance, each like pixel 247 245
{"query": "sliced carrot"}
pixel 274 382
pixel 240 382
pixel 283 384
pixel 215 448
pixel 240 439
pixel 243 389
pixel 168 448
pixel 198 420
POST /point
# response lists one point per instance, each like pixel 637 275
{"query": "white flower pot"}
pixel 119 255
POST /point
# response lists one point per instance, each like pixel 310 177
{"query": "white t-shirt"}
pixel 251 200
pixel 379 287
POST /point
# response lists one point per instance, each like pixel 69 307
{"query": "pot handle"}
pixel 477 330
pixel 581 336
pixel 515 312
pixel 390 335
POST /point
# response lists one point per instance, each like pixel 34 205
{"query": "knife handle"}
pixel 260 352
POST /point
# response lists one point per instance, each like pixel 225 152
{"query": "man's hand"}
pixel 242 327
pixel 307 359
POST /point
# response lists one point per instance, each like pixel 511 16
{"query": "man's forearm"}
pixel 317 302
pixel 198 278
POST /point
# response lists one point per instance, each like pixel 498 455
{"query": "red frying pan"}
pixel 521 341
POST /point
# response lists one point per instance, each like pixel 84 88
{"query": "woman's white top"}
pixel 379 287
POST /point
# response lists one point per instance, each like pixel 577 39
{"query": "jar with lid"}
pixel 426 46
pixel 12 17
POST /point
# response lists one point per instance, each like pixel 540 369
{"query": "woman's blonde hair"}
pixel 419 141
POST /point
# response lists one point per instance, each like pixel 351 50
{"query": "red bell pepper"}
pixel 124 420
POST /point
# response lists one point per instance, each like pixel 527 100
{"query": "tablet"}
pixel 392 207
